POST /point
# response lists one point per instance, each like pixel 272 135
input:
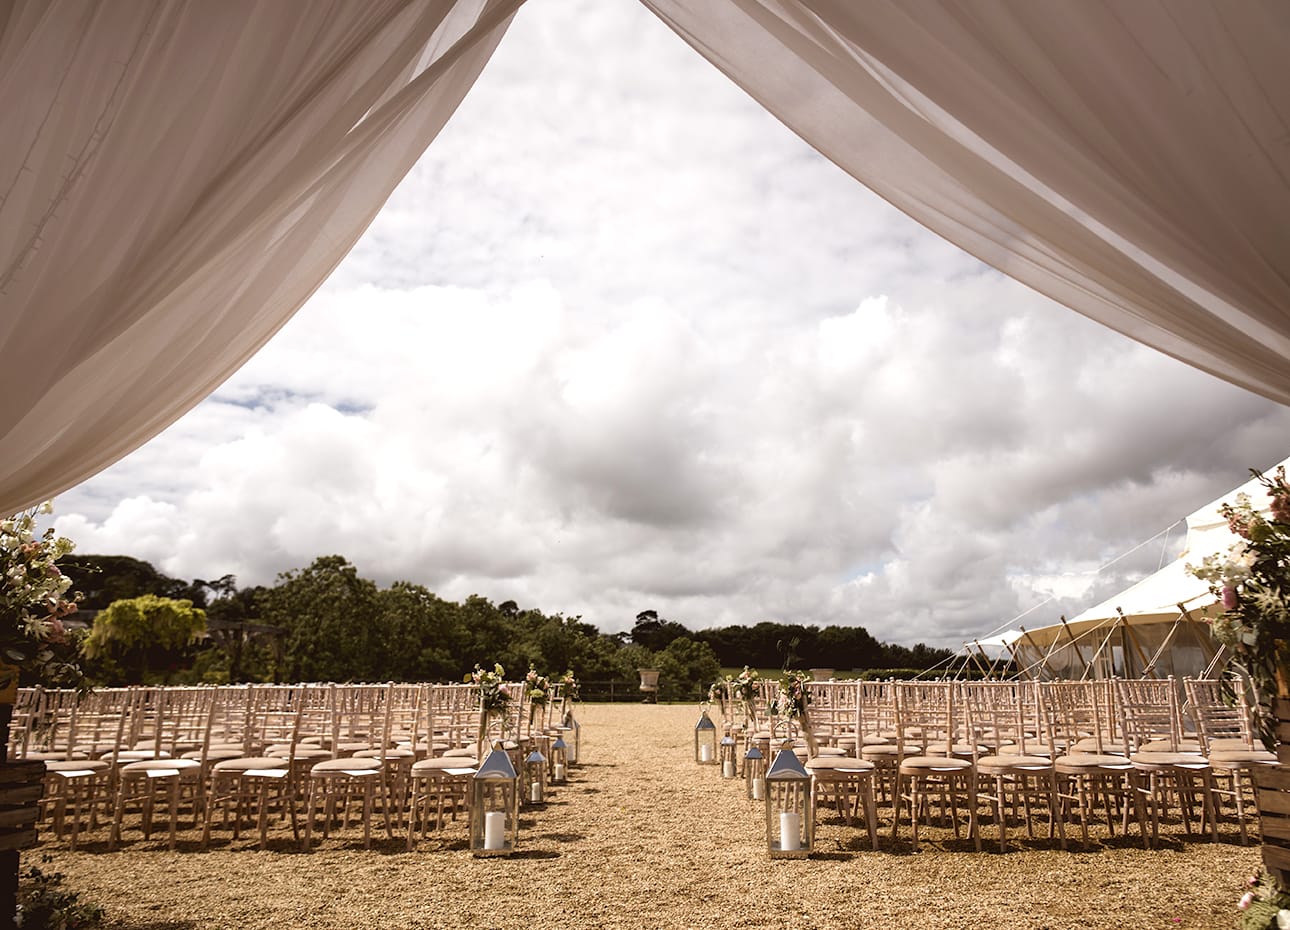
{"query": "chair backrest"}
pixel 927 717
pixel 1221 710
pixel 1150 712
pixel 997 714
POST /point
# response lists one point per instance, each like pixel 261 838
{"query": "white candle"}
pixel 759 789
pixel 727 769
pixel 559 772
pixel 705 753
pixel 535 792
pixel 790 830
pixel 494 830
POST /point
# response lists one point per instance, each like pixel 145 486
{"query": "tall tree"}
pixel 332 619
pixel 146 635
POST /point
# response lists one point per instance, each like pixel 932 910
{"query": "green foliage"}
pixel 44 905
pixel 686 669
pixel 145 634
pixel 332 621
pixel 327 623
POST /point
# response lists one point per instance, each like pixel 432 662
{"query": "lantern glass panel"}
pixel 705 740
pixel 790 814
pixel 755 774
pixel 494 814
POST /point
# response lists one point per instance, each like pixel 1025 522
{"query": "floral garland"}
pixel 746 684
pixel 569 687
pixel 34 599
pixel 1252 582
pixel 494 695
pixel 794 696
pixel 538 687
pixel 1264 906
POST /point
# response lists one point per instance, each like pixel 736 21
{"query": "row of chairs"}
pixel 398 756
pixel 1120 751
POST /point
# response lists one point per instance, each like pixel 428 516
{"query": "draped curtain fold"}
pixel 1129 160
pixel 176 178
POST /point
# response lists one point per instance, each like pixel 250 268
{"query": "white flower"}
pixel 1283 919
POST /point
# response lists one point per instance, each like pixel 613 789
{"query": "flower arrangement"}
pixel 1252 582
pixel 494 695
pixel 1264 906
pixel 794 696
pixel 538 687
pixel 718 690
pixel 793 702
pixel 568 686
pixel 34 600
pixel 746 683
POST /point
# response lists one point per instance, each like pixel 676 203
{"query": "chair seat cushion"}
pixel 441 763
pixel 249 764
pixel 159 765
pixel 1148 759
pixel 1003 763
pixel 934 763
pixel 1232 758
pixel 1077 762
pixel 76 765
pixel 838 765
pixel 338 766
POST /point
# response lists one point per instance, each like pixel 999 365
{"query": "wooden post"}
pixel 1272 792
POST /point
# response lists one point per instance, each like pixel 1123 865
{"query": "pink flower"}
pixel 1230 599
pixel 1246 900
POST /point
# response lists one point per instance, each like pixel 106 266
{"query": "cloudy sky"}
pixel 622 341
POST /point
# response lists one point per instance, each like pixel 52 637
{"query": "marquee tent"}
pixel 177 178
pixel 1153 628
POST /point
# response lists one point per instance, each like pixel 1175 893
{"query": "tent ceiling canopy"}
pixel 179 178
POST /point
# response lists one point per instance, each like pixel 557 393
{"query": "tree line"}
pixel 327 623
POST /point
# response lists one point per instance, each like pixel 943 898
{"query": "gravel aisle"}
pixel 643 838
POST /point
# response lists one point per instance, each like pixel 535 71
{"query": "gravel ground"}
pixel 641 837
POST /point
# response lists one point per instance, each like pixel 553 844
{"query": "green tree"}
pixel 333 622
pixel 686 669
pixel 424 636
pixel 140 636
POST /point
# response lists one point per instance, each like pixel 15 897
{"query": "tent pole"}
pixel 1137 647
pixel 1079 653
pixel 1043 656
pixel 1151 667
pixel 979 667
pixel 1105 641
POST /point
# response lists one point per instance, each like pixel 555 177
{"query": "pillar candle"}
pixel 727 769
pixel 790 830
pixel 705 753
pixel 494 830
pixel 559 772
pixel 535 792
pixel 759 789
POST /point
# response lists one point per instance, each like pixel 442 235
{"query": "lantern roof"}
pixel 727 741
pixel 705 722
pixel 535 756
pixel 753 753
pixel 786 767
pixel 496 765
pixel 559 743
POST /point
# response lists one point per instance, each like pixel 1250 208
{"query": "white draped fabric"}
pixel 1129 159
pixel 177 177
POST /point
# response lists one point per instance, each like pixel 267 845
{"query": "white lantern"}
pixel 559 761
pixel 494 807
pixel 534 778
pixel 726 754
pixel 705 740
pixel 755 774
pixel 790 820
